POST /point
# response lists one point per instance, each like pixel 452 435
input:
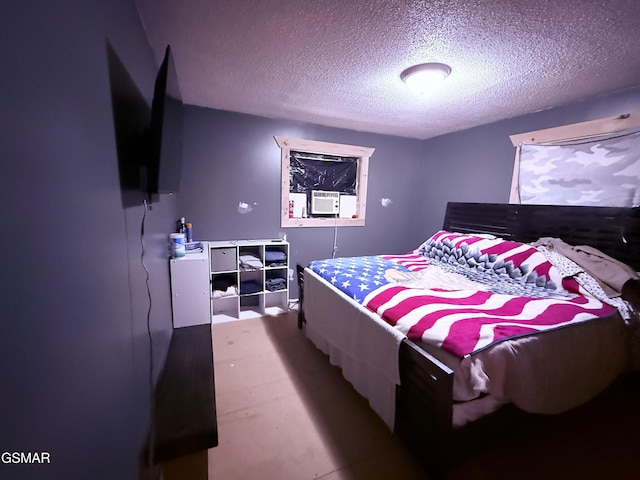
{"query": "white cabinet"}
pixel 248 278
pixel 190 289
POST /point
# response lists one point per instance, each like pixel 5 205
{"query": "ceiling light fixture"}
pixel 426 76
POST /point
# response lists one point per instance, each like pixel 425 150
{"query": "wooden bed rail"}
pixel 424 407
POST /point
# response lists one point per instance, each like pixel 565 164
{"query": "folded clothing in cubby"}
pixel 249 261
pixel 249 286
pixel 275 257
pixel 274 284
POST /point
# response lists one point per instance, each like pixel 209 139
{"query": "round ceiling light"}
pixel 425 76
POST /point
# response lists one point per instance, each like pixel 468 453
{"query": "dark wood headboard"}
pixel 614 231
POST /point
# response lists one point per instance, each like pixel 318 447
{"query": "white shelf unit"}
pixel 189 291
pixel 249 278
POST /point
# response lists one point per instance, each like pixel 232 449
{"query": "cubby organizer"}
pixel 248 278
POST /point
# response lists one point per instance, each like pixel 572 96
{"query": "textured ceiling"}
pixel 338 62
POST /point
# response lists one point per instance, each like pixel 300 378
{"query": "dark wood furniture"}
pixel 300 276
pixel 615 231
pixel 184 424
pixel 424 399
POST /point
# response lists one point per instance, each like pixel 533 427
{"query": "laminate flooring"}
pixel 285 413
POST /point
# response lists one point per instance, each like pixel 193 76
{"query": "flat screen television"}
pixel 162 171
pixel 131 119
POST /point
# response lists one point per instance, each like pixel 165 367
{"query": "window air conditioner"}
pixel 326 203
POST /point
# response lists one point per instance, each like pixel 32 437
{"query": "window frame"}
pixel 362 154
pixel 573 131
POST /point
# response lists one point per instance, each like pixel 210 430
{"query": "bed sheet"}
pixel 358 341
pixel 547 373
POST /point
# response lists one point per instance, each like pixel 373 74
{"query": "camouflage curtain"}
pixel 595 172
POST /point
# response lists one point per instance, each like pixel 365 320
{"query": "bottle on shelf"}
pixel 183 225
pixel 189 232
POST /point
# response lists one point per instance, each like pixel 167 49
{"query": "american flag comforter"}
pixel 522 292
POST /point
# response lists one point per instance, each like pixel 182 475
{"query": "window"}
pixel 589 163
pixel 323 184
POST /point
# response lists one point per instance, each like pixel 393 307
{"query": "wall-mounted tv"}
pixel 131 118
pixel 161 174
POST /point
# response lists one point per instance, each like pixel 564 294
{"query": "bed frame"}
pixel 424 403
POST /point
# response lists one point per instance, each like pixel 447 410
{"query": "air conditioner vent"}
pixel 325 202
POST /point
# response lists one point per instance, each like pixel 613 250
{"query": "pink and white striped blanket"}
pixel 464 322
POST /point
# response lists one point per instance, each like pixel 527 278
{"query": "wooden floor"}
pixel 285 413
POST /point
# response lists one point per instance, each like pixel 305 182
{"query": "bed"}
pixel 432 385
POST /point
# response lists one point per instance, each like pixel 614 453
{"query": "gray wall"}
pixel 476 165
pixel 232 158
pixel 74 348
